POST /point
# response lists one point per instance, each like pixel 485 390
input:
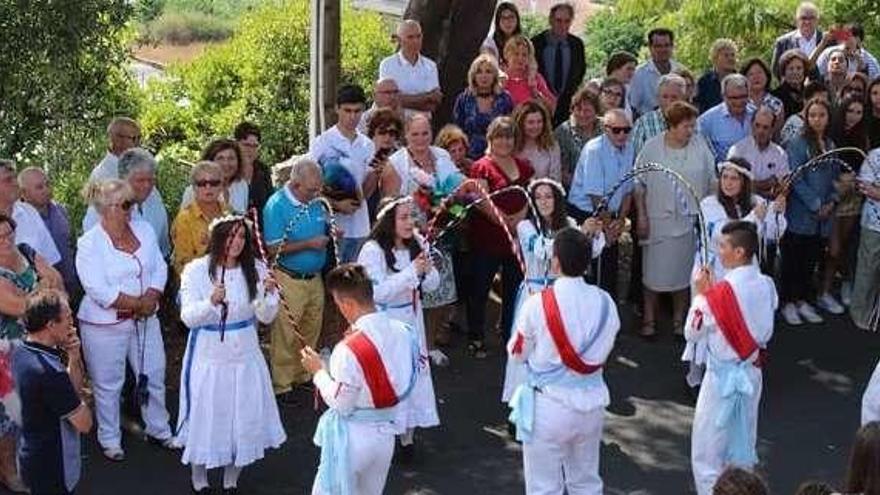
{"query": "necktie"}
pixel 558 82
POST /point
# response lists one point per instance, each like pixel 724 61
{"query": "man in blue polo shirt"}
pixel 53 413
pixel 295 228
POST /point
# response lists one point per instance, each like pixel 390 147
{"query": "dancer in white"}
pixel 397 261
pixel 563 334
pixel 734 317
pixel 123 274
pixel 228 416
pixel 535 237
pixel 370 372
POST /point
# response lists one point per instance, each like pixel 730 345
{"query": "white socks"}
pixel 200 476
pixel 407 438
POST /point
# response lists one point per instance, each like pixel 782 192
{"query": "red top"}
pixel 725 308
pixel 485 235
pixel 519 90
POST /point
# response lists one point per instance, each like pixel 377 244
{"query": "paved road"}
pixel 809 412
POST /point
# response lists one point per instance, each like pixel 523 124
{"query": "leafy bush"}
pixel 607 32
pixel 532 23
pixel 185 27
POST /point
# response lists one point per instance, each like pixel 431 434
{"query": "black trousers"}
pixel 800 256
pixel 483 268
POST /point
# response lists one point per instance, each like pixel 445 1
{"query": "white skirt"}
pixel 228 413
pixel 419 409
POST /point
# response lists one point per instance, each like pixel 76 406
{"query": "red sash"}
pixel 373 368
pixel 566 351
pixel 722 301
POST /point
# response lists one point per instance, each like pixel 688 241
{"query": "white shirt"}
pixel 355 156
pixel 154 214
pixel 108 168
pixel 765 163
pixel 106 272
pixel 30 230
pixel 411 79
pixel 589 315
pixel 806 45
pixel 411 176
pixel 343 386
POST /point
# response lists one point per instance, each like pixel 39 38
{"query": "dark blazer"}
pixel 784 43
pixel 575 73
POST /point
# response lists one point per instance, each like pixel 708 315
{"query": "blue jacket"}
pixel 809 192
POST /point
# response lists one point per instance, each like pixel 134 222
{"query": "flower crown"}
pixel 227 219
pixel 742 170
pixel 392 205
pixel 546 181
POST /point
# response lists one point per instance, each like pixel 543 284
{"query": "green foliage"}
pixel 532 24
pixel 185 27
pixel 607 32
pixel 261 75
pixel 867 12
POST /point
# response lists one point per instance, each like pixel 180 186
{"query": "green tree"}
pixel 607 32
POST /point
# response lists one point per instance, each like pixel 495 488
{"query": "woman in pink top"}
pixel 523 80
pixel 535 142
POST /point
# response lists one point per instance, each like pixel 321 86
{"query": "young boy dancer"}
pixel 563 335
pixel 735 318
pixel 372 370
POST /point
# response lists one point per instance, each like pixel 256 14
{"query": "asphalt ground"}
pixel 809 413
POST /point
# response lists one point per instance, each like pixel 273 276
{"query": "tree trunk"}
pixel 453 31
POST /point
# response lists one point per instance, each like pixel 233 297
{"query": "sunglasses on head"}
pixel 207 182
pixel 619 130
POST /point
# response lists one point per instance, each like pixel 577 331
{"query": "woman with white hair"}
pixel 138 167
pixel 190 228
pixel 123 275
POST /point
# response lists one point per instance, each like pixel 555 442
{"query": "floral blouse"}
pixel 466 115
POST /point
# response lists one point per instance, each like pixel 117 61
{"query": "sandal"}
pixel 477 349
pixel 648 330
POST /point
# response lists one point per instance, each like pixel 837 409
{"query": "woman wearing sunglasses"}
pixel 189 232
pixel 123 275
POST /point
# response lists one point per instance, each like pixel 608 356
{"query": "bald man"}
pixel 37 192
pixel 416 75
pixel 385 94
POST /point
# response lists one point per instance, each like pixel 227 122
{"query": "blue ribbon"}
pixel 736 389
pixel 386 307
pixel 190 351
pixel 334 473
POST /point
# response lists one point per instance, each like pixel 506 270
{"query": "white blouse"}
pixel 412 177
pixel 106 272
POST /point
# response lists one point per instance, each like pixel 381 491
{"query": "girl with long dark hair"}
pixel 397 261
pixel 228 416
pixel 507 24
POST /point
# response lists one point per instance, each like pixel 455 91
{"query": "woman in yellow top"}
pixel 189 232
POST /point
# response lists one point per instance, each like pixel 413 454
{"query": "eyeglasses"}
pixel 124 206
pixel 610 92
pixel 208 183
pixel 619 130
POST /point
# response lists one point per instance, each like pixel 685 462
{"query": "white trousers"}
pixel 871 398
pixel 709 441
pixel 563 456
pixel 370 448
pixel 106 348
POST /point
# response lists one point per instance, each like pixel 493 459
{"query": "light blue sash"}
pixel 334 472
pixel 190 353
pixel 735 391
pixel 386 307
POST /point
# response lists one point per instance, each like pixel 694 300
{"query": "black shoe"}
pixel 511 430
pixel 406 453
pixel 230 491
pixel 204 491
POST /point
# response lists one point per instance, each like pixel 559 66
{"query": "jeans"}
pixel 800 255
pixel 483 269
pixel 349 248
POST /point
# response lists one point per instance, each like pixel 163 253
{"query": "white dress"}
pixel 537 250
pixel 396 293
pixel 228 413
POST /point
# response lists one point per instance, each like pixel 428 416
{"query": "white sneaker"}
pixel 809 313
pixel 846 293
pixel 438 358
pixel 791 316
pixel 827 302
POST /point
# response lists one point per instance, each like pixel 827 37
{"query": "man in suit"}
pixel 806 38
pixel 561 58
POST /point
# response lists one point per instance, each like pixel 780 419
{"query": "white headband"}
pixel 228 218
pixel 546 181
pixel 392 205
pixel 735 167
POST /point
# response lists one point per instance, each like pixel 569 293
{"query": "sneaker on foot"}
pixel 438 357
pixel 809 313
pixel 846 293
pixel 827 302
pixel 791 316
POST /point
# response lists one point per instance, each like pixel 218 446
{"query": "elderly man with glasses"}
pixel 807 38
pixel 729 121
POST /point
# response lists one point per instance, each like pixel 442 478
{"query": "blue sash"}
pixel 386 307
pixel 334 472
pixel 735 391
pixel 190 352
